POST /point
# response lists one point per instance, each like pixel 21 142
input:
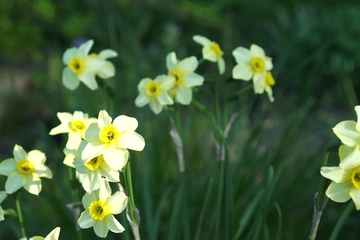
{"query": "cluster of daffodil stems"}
pixel 97 148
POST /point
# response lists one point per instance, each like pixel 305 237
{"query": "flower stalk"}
pixel 20 217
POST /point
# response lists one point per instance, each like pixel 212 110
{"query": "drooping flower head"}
pixel 155 92
pixel 185 78
pixel 211 51
pixel 91 173
pixel 73 124
pixel 25 170
pixel 100 206
pixel 112 139
pixel 81 67
pixel 53 235
pixel 345 183
pixel 254 64
pixel 3 195
pixel 349 133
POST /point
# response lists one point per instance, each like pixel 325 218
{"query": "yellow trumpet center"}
pixel 355 178
pixel 257 65
pixel 269 79
pixel 98 210
pixel 216 49
pixel 94 163
pixel 179 77
pixel 109 134
pixel 78 126
pixel 77 65
pixel 25 167
pixel 153 89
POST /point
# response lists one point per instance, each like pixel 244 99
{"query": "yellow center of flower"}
pixel 78 126
pixel 270 81
pixel 153 89
pixel 216 49
pixel 98 210
pixel 25 167
pixel 257 65
pixel 355 178
pixel 77 65
pixel 94 163
pixel 179 77
pixel 109 134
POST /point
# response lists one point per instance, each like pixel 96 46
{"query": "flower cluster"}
pixel 345 178
pixel 99 150
pixel 176 85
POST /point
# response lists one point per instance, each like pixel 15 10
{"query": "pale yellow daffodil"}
pixel 345 183
pixel 74 125
pixel 100 206
pixel 185 78
pixel 81 67
pixel 25 170
pixel 112 139
pixel 3 195
pixel 53 235
pixel 155 92
pixel 211 51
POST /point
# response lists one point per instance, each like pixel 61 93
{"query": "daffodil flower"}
pixel 112 139
pixel 155 92
pixel 73 124
pixel 53 235
pixel 91 172
pixel 107 70
pixel 349 134
pixel 80 66
pixel 253 64
pixel 25 170
pixel 100 206
pixel 3 195
pixel 185 78
pixel 211 51
pixel 345 183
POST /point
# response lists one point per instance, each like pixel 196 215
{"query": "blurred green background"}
pixel 316 55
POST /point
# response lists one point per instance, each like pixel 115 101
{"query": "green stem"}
pixel 341 221
pixel 238 93
pixel 20 217
pixel 74 196
pixel 129 189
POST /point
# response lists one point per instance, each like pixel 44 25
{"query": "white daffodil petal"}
pixel 19 153
pixel 85 220
pixel 352 160
pixel 8 166
pixel 69 54
pixel 125 123
pixel 65 117
pixel 89 80
pixel 36 157
pixel 101 229
pixel 242 55
pixel 117 202
pixel 268 64
pixel 242 71
pixel 33 185
pixel 270 94
pixel 143 83
pixel 336 174
pixel 104 190
pixel 165 99
pixel 116 158
pixel 93 131
pixel 155 106
pixel 104 119
pixel 107 70
pixel 193 79
pixel 107 53
pixel 167 82
pixel 92 150
pixel 87 199
pixel 114 224
pixel 355 196
pixel 209 54
pixel 339 192
pixel 184 95
pixel 14 182
pixel 221 65
pixel 188 64
pixel 201 40
pixel 84 48
pixel 54 234
pixel 171 61
pixel 141 100
pixel 345 151
pixel 132 140
pixel 3 195
pixel 346 132
pixel 62 128
pixel 69 79
pixel 257 51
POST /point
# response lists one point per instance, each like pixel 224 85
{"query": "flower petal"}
pixel 107 70
pixel 201 40
pixel 339 192
pixel 101 229
pixel 188 64
pixel 89 80
pixel 88 198
pixel 69 54
pixel 8 166
pixel 257 51
pixel 242 55
pixel 165 99
pixel 92 150
pixel 155 105
pixel 141 100
pixel 336 174
pixel 221 65
pixel 355 195
pixel 184 95
pixel 85 48
pixel 69 79
pixel 193 79
pixel 33 185
pixel 171 61
pixel 36 157
pixel 242 71
pixel 125 123
pixel 117 202
pixel 143 83
pixel 352 158
pixel 92 132
pixel 104 119
pixel 346 132
pixel 107 53
pixel 14 182
pixel 19 153
pixel 85 220
pixel 131 140
pixel 166 82
pixel 116 158
pixel 114 224
pixel 104 190
pixel 54 234
pixel 209 54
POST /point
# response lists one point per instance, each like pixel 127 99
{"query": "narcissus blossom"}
pixel 53 235
pixel 349 133
pixel 3 195
pixel 345 183
pixel 100 206
pixel 91 172
pixel 107 70
pixel 73 124
pixel 254 64
pixel 112 139
pixel 25 170
pixel 80 66
pixel 185 78
pixel 211 51
pixel 155 92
